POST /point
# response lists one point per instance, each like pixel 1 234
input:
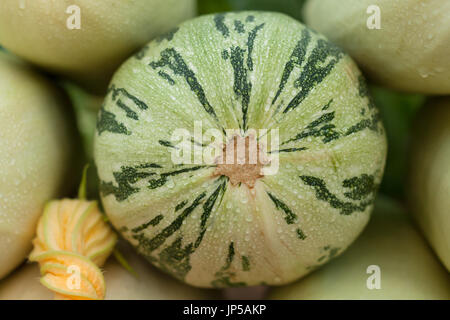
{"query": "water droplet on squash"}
pixel 424 73
pixel 170 184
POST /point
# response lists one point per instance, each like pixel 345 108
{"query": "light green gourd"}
pixel 410 51
pixel 429 176
pixel 36 148
pixel 408 269
pixel 46 33
pixel 240 71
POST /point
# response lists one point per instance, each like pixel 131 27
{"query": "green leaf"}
pixel 289 7
pixel 86 107
pixel 82 188
pixel 212 6
pixel 397 110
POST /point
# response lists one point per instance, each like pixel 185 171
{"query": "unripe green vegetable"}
pixel 142 283
pixel 230 224
pixel 35 155
pixel 429 176
pixel 47 34
pixel 410 51
pixel 389 261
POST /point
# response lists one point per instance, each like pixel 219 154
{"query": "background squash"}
pixel 36 145
pixel 429 175
pixel 109 32
pixel 409 52
pixel 408 268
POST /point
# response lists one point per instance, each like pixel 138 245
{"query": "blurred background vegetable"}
pixel 408 49
pixel 38 154
pixel 398 254
pixel 87 40
pixel 428 186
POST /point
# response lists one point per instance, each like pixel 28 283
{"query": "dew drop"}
pixel 423 73
pixel 170 184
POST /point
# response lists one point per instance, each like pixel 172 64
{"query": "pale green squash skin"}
pixel 110 31
pixel 410 52
pixel 247 237
pixel 429 176
pixel 408 268
pixel 37 149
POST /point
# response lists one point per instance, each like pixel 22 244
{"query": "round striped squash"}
pixel 390 261
pixel 86 40
pixel 410 51
pixel 429 176
pixel 287 206
pixel 35 154
pixel 143 284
